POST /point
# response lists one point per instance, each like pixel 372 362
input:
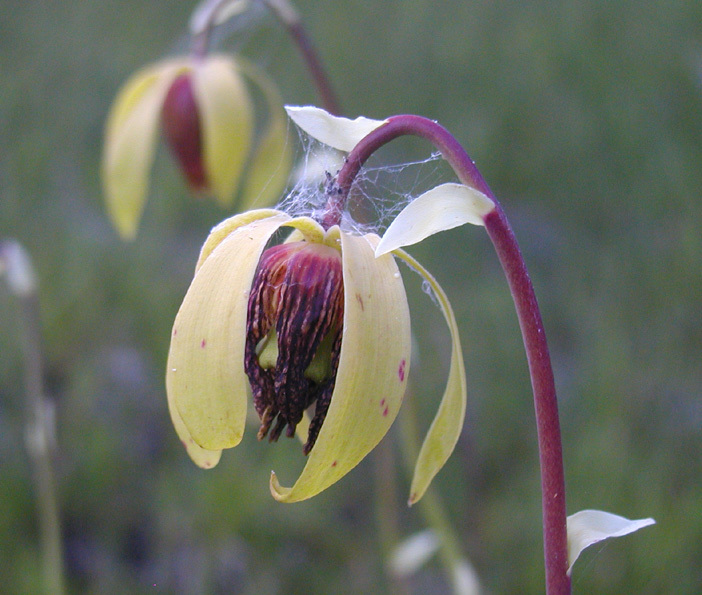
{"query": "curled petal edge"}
pixel 441 208
pixel 591 526
pixel 337 132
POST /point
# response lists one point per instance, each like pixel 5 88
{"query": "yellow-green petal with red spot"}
pixel 130 138
pixel 446 427
pixel 226 117
pixel 372 372
pixel 441 208
pixel 205 373
pixel 269 167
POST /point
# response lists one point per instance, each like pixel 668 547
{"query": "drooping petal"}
pixel 200 456
pixel 372 373
pixel 444 207
pixel 268 169
pixel 227 123
pixel 590 526
pixel 446 427
pixel 205 376
pixel 130 138
pixel 340 133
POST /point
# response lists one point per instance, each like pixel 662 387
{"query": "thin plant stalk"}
pixel 387 514
pixel 431 506
pixel 286 13
pixel 40 434
pixel 291 20
pixel 530 322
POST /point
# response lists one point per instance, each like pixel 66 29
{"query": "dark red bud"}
pixel 180 121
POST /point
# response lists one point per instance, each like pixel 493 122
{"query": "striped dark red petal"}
pixel 296 299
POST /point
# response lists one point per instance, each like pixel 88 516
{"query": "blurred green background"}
pixel 584 116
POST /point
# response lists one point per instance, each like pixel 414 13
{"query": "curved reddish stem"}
pixel 530 322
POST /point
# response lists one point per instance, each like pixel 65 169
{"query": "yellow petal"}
pixel 268 169
pixel 446 427
pixel 591 526
pixel 205 376
pixel 226 227
pixel 372 373
pixel 130 137
pixel 200 456
pixel 444 207
pixel 226 118
pixel 337 132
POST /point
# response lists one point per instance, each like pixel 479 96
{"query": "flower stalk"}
pixel 217 11
pixel 40 431
pixel 534 337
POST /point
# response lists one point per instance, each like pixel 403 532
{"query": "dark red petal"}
pixel 180 122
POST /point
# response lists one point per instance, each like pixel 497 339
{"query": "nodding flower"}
pixel 203 108
pixel 316 329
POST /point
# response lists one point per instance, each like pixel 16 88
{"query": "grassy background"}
pixel 586 119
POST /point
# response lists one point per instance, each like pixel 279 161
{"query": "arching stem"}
pixel 291 20
pixel 530 322
pixel 285 12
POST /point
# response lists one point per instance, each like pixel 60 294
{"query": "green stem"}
pixel 431 506
pixel 40 434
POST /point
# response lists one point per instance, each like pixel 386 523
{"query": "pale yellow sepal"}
pixel 130 139
pixel 372 373
pixel 223 229
pixel 226 119
pixel 441 208
pixel 269 167
pixel 591 526
pixel 446 427
pixel 200 456
pixel 337 132
pixel 205 376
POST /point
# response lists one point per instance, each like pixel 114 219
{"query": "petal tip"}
pixel 588 527
pixel 337 132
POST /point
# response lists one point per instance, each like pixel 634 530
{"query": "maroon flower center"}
pixel 294 329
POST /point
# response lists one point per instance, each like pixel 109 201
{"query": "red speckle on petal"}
pixel 401 370
pixel 385 411
pixel 203 343
pixel 359 299
pixel 334 463
pixel 175 332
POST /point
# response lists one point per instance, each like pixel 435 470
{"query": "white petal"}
pixel 590 526
pixel 205 11
pixel 444 207
pixel 340 133
pixel 413 553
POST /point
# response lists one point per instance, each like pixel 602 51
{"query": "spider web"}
pixel 380 190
